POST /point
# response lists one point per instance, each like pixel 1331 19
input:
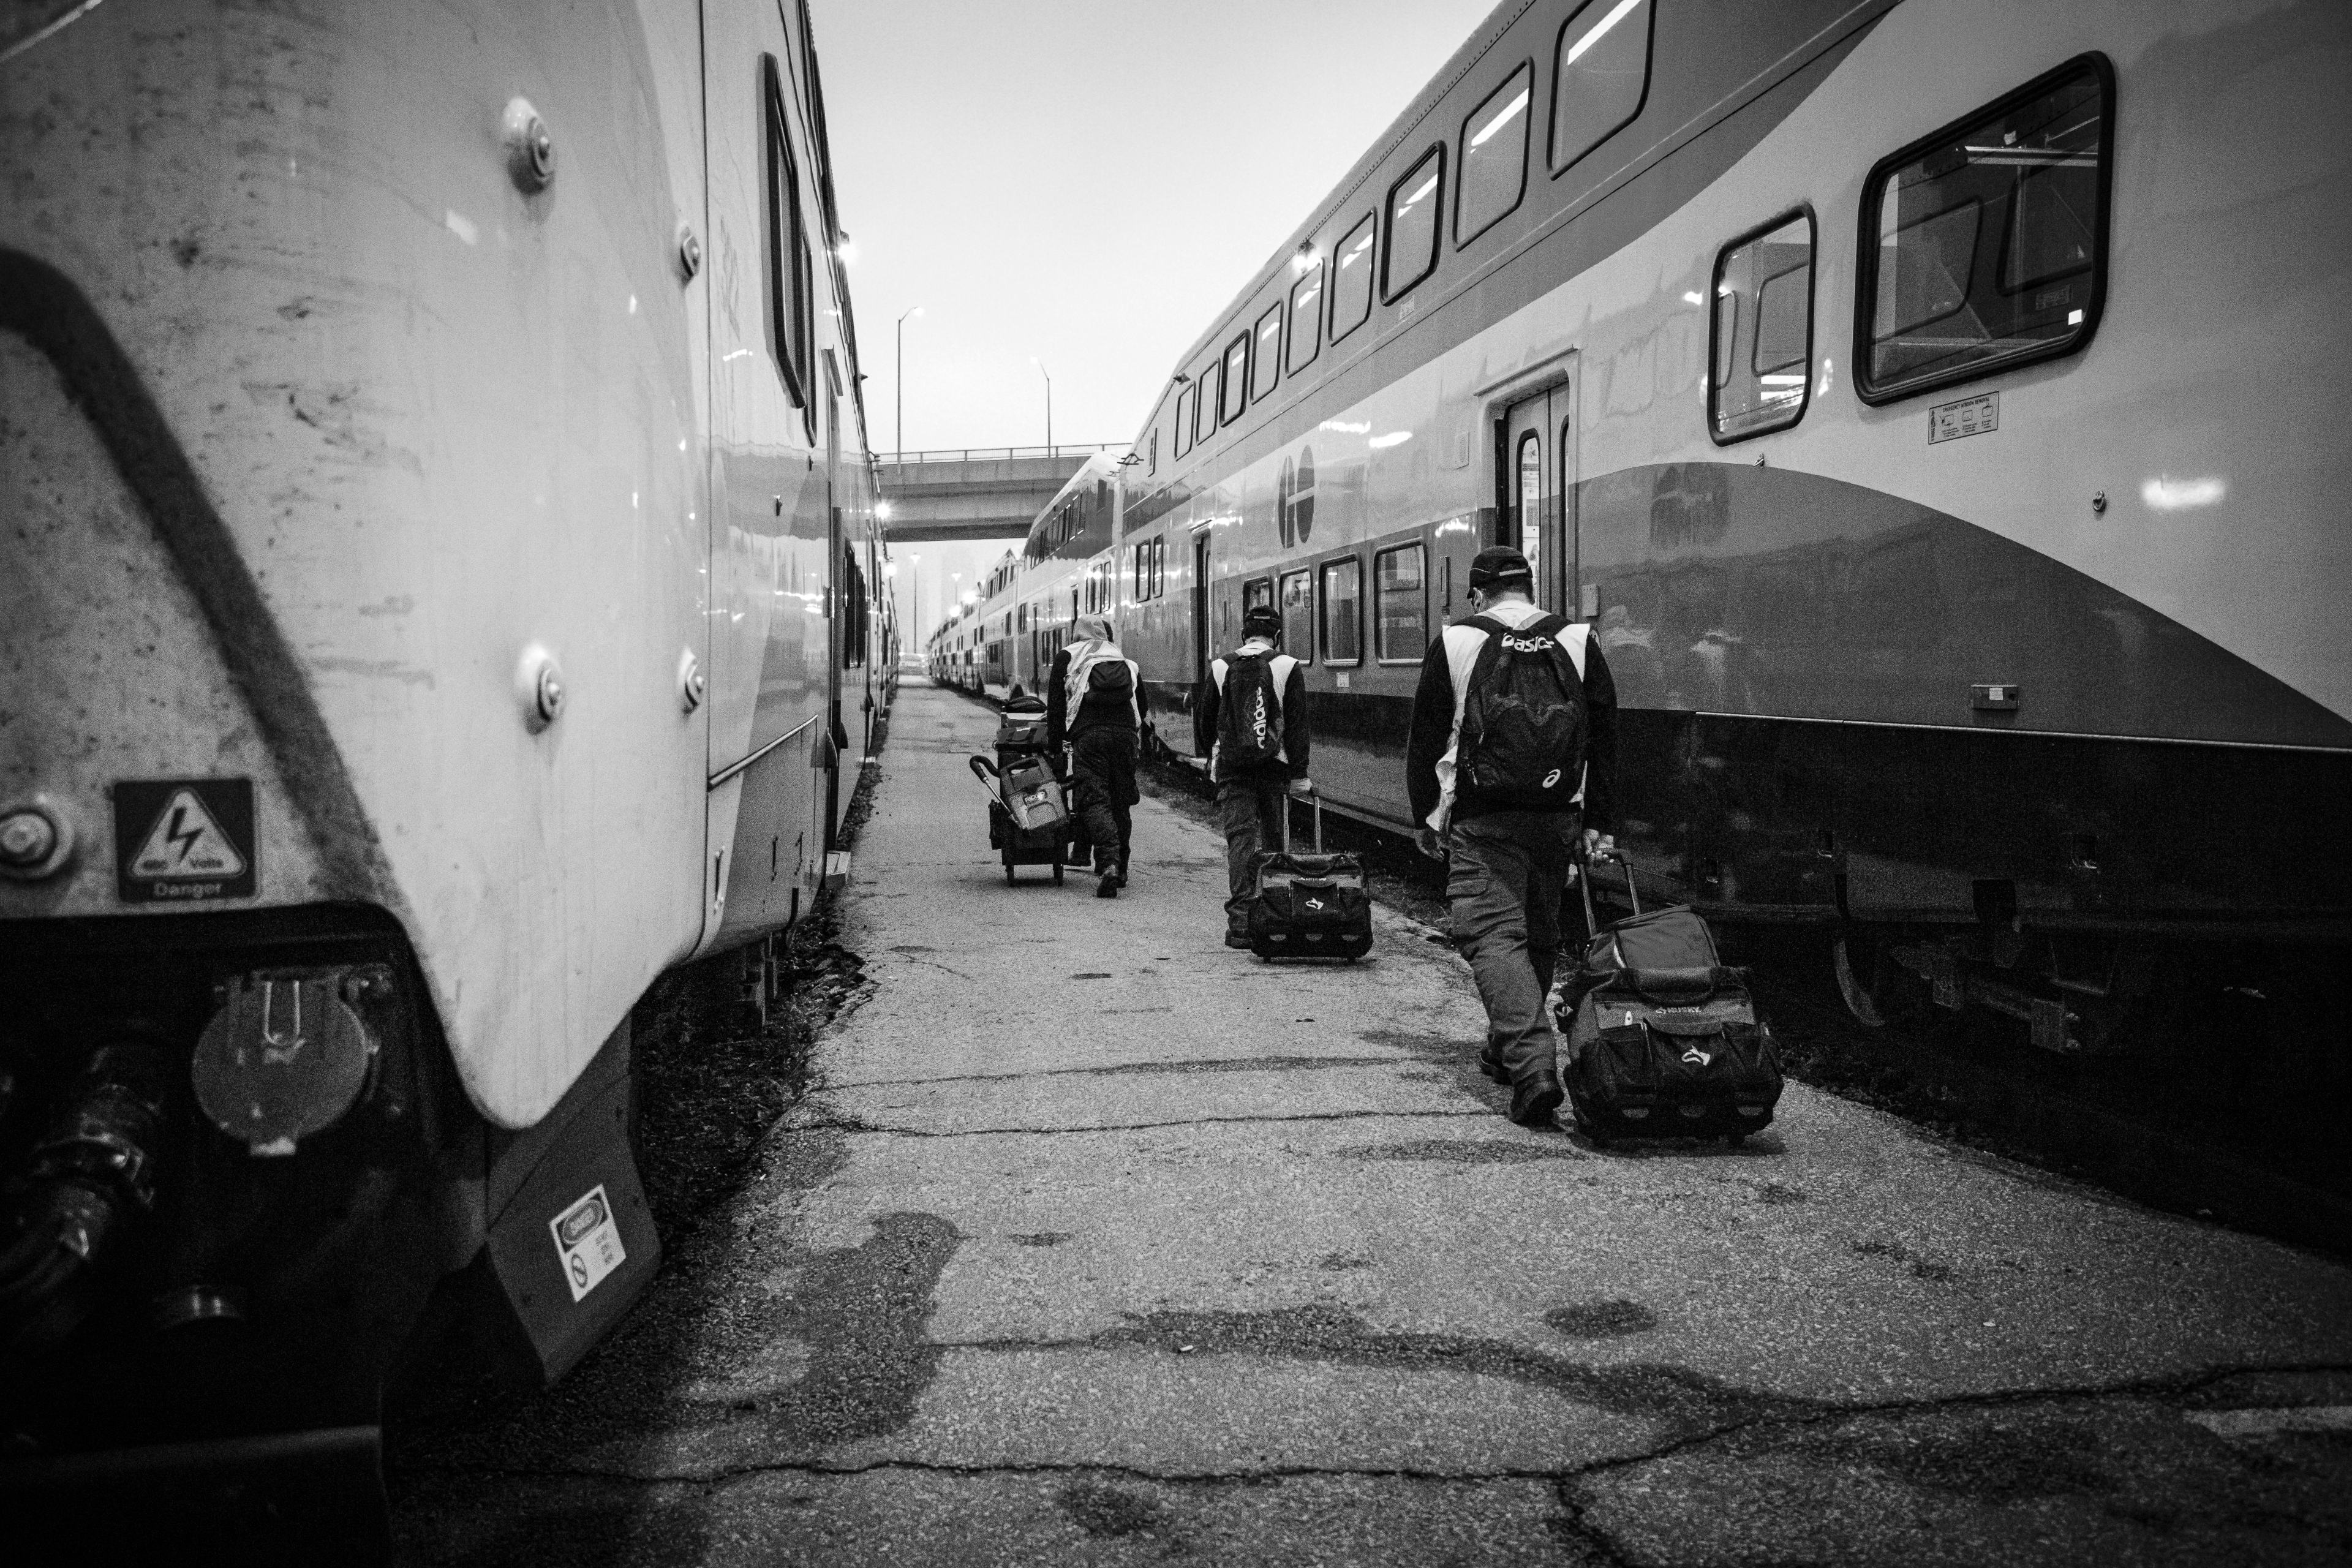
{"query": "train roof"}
pixel 1473 49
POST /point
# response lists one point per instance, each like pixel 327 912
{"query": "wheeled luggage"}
pixel 1658 1038
pixel 1028 813
pixel 1310 906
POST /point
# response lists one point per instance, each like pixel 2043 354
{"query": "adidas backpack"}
pixel 1249 717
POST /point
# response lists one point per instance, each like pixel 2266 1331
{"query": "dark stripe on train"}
pixel 43 306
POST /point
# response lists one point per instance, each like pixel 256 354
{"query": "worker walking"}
pixel 1095 705
pixel 1512 752
pixel 1251 713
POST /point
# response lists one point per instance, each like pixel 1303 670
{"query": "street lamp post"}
pixel 1049 402
pixel 898 436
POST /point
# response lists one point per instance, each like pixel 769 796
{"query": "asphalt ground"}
pixel 1093 1241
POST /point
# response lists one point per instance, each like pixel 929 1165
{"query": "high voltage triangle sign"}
pixel 184 840
pixel 187 842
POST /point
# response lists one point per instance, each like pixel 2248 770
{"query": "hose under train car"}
pixel 89 1176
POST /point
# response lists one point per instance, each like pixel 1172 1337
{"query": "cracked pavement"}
pixel 1098 1242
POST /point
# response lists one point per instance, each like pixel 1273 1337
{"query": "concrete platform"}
pixel 1102 1242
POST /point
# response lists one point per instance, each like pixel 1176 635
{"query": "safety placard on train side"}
pixel 588 1241
pixel 184 840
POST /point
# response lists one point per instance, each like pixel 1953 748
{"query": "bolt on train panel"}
pixel 441 594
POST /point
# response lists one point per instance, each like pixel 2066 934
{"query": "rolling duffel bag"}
pixel 1310 906
pixel 1028 813
pixel 1658 1038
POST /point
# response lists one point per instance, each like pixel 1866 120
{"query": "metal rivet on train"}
pixel 35 839
pixel 689 251
pixel 531 148
pixel 690 684
pixel 538 683
pixel 2098 503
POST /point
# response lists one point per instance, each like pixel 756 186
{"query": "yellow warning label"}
pixel 186 843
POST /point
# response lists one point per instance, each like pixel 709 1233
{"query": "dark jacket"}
pixel 1437 714
pixel 1062 727
pixel 1208 705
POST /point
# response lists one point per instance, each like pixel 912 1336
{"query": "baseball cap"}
pixel 1261 619
pixel 1496 562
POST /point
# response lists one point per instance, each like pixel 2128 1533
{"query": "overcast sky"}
pixel 1086 183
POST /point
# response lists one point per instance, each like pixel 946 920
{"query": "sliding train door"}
pixel 1538 484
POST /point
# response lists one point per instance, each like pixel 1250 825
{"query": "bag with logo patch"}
pixel 1310 905
pixel 1523 727
pixel 1249 712
pixel 1658 1038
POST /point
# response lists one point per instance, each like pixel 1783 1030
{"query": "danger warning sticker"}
pixel 588 1241
pixel 184 840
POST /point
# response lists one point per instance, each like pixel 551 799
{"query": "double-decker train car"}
pixel 440 593
pixel 1021 614
pixel 1931 405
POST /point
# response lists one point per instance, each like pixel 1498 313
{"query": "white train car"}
pixel 1934 406
pixel 440 594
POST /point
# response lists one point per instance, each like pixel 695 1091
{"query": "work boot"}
pixel 1492 1065
pixel 1122 868
pixel 1108 887
pixel 1535 1099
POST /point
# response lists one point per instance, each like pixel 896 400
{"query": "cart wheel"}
pixel 1058 873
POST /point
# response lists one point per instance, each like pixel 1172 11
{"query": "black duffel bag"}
pixel 1658 1038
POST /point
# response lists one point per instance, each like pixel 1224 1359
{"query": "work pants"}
pixel 1506 873
pixel 1249 808
pixel 1102 780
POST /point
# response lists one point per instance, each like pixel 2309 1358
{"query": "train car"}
pixel 1931 405
pixel 440 594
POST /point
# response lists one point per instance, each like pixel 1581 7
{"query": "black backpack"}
pixel 1249 714
pixel 1112 683
pixel 1523 731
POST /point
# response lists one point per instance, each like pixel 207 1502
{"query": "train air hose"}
pixel 94 1171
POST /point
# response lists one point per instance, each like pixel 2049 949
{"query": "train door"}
pixel 1199 608
pixel 1537 480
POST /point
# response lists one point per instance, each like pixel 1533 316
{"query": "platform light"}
pixel 882 510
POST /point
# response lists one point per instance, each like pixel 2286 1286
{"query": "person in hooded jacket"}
pixel 1262 763
pixel 1095 705
pixel 1509 824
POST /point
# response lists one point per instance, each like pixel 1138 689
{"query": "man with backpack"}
pixel 1512 752
pixel 1093 704
pixel 1252 712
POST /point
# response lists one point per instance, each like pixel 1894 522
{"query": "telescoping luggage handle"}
pixel 1317 797
pixel 1584 864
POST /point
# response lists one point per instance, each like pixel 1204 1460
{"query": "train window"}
pixel 1158 565
pixel 1204 413
pixel 1602 75
pixel 1294 498
pixel 1413 205
pixel 1401 604
pixel 1763 330
pixel 1494 157
pixel 1258 594
pixel 1237 378
pixel 1343 611
pixel 1268 365
pixel 1184 419
pixel 1351 290
pixel 1151 464
pixel 1985 245
pixel 1298 615
pixel 791 278
pixel 1305 316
